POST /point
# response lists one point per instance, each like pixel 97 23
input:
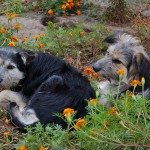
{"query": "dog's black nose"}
pixel 95 69
pixel 1 80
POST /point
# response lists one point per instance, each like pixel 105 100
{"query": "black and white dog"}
pixel 42 85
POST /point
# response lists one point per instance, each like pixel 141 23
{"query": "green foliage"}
pixel 59 41
pixel 13 6
pixel 56 6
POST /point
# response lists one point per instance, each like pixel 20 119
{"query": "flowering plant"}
pixel 63 7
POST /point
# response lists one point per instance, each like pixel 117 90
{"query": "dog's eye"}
pixel 116 61
pixel 10 67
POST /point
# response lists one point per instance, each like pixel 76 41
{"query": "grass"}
pixel 124 126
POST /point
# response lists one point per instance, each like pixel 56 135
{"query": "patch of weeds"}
pixel 125 125
pixel 141 25
pixel 63 7
pixel 74 43
pixel 13 6
pixel 94 11
pixel 118 12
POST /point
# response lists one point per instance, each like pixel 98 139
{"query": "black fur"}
pixel 110 39
pixel 51 85
pixel 113 38
pixel 142 65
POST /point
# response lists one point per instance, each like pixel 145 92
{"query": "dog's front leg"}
pixel 11 96
pixel 104 89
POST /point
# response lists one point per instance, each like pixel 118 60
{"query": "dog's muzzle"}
pixel 101 64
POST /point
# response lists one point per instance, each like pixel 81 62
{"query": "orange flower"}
pixel 93 101
pixel 17 26
pixel 42 34
pixel 50 12
pixel 72 4
pixel 79 124
pixel 69 8
pixel 107 123
pixel 131 94
pixel 64 14
pixel 13 38
pixel 77 3
pixel 36 37
pixel 11 43
pixel 78 12
pixel 22 148
pixel 2 30
pixel 121 72
pixel 40 45
pixel 82 33
pixel 113 110
pixel 67 5
pixel 63 6
pixel 70 33
pixel 67 112
pixel 11 15
pixel 95 75
pixel 42 148
pixel 135 82
pixel 24 39
pixel 69 1
pixel 88 70
pixel 93 132
pixel 5 133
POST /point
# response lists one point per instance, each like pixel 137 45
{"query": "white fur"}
pixel 104 89
pixel 26 117
pixel 126 38
pixel 10 77
pixel 10 96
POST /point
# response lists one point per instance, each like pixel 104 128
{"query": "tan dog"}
pixel 125 53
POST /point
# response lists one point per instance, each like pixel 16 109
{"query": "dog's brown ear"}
pixel 27 57
pixel 141 63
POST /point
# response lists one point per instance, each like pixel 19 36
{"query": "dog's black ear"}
pixel 111 39
pixel 27 57
pixel 117 36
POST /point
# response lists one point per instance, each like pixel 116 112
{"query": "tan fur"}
pixel 126 54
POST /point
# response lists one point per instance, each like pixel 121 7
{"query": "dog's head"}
pixel 124 53
pixel 13 63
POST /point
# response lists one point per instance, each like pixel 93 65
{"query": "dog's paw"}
pixel 4 96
